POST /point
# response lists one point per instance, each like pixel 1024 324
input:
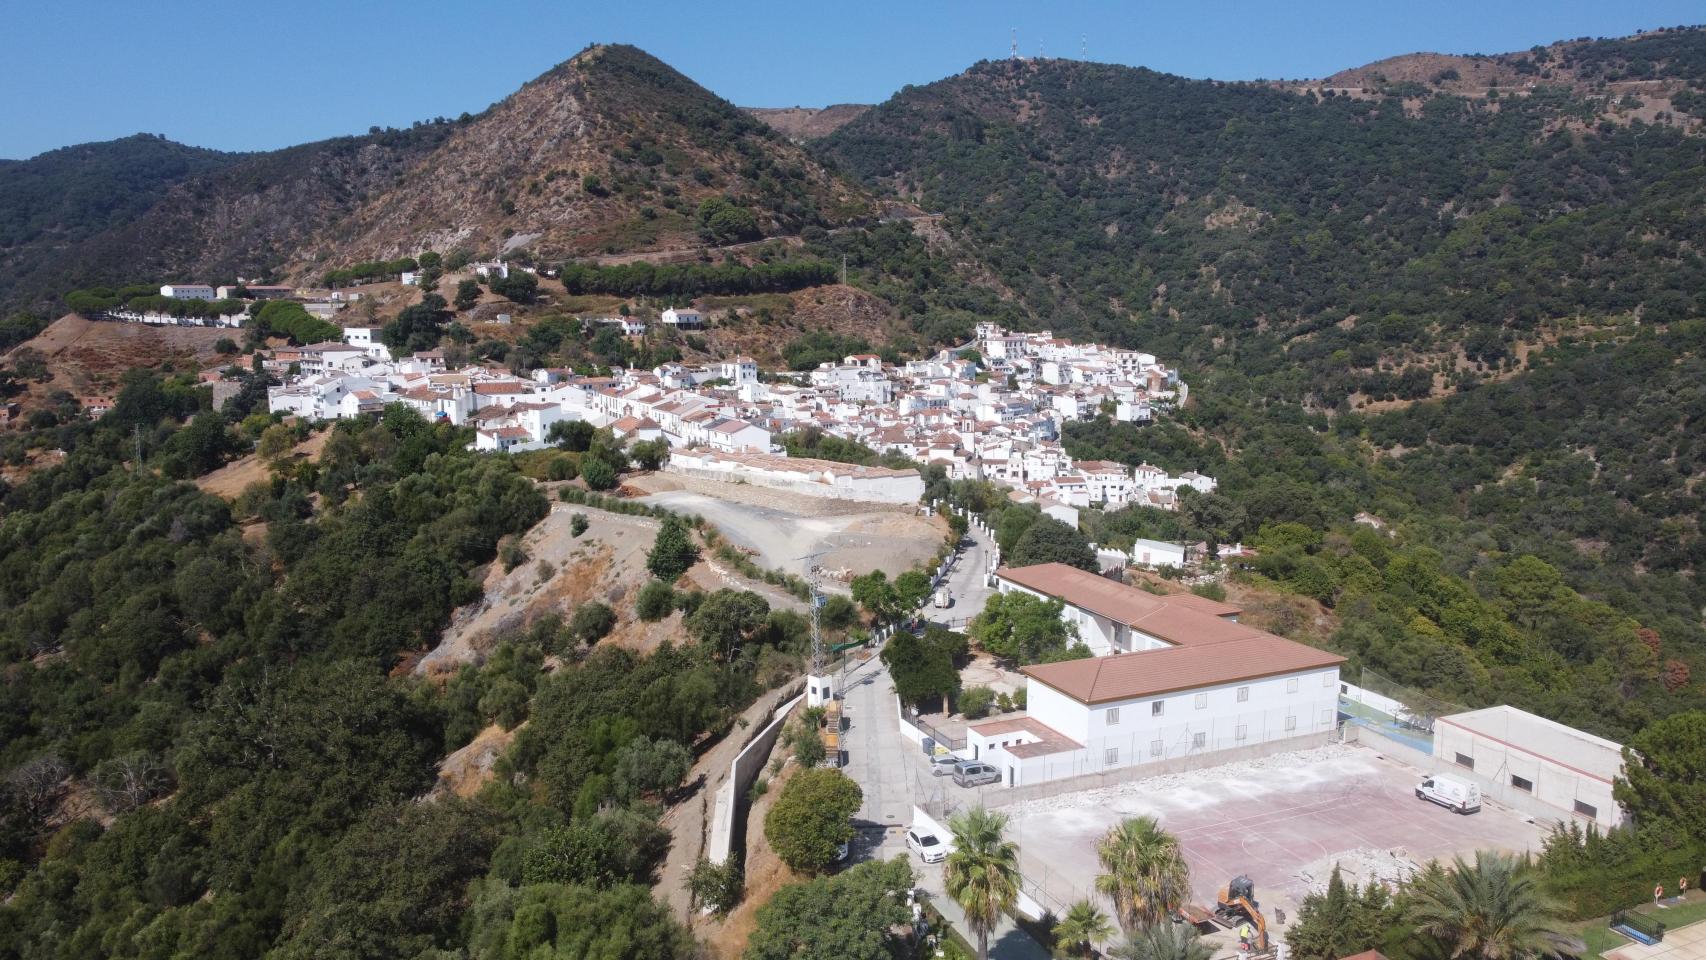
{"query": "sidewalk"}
pixel 1006 941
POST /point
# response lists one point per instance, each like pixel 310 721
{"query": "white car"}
pixel 929 848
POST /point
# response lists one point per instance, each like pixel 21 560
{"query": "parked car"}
pixel 1451 793
pixel 944 599
pixel 929 848
pixel 971 773
pixel 943 764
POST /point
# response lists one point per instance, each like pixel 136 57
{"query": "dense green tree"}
pixel 725 619
pixel 555 920
pixel 811 818
pixel 850 916
pixel 923 667
pixel 598 473
pixel 1047 540
pixel 650 767
pixel 1342 921
pixel 467 293
pixel 1025 628
pixel 673 552
pixel 1664 773
pixel 655 601
pixel 1164 941
pixel 574 436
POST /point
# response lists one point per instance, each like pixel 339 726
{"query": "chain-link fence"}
pixel 1393 710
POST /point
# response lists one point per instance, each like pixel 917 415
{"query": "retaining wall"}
pixel 728 813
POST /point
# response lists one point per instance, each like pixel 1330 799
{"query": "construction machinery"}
pixel 1238 910
pixel 831 733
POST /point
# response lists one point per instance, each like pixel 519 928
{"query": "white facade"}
pixel 1139 730
pixel 683 319
pixel 187 291
pixel 1524 760
pixel 818 478
pixel 1157 553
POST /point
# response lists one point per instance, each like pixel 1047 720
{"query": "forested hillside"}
pixel 1344 248
pixel 1476 318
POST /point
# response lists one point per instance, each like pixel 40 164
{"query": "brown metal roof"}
pixel 1147 673
pixel 1108 598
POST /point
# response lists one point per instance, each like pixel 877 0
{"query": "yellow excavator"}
pixel 1238 911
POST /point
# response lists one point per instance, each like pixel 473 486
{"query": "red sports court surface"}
pixel 1270 819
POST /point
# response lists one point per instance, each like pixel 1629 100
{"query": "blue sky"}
pixel 228 75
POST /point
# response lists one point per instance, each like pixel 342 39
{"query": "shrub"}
pixel 976 701
pixel 592 622
pixel 578 524
pixel 655 601
pixel 811 818
pixel 512 554
pixel 717 886
pixel 598 474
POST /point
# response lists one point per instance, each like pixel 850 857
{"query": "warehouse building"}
pixel 1532 763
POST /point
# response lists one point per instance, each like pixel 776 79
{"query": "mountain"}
pixel 609 152
pixel 1479 320
pixel 1372 246
pixel 204 214
pixel 809 123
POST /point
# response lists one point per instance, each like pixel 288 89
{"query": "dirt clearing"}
pixel 784 530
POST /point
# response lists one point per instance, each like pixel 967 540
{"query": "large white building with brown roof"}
pixel 1173 677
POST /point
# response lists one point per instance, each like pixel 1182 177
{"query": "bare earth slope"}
pixel 612 150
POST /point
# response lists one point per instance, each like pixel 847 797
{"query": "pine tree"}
pixel 673 552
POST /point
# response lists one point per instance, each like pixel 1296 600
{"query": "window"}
pixel 1587 810
pixel 1291 685
pixel 1113 716
pixel 1326 718
pixel 1328 679
pixel 1525 785
pixel 1243 694
pixel 1465 761
pixel 1158 708
pixel 1202 701
pixel 1111 758
pixel 1198 740
pixel 1155 748
pixel 1240 733
pixel 1290 722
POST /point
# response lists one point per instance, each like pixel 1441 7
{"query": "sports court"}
pixel 1282 820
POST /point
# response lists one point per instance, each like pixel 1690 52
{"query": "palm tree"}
pixel 1145 874
pixel 1083 925
pixel 982 874
pixel 1492 909
pixel 1164 941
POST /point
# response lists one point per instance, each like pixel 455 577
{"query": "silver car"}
pixel 943 764
pixel 971 773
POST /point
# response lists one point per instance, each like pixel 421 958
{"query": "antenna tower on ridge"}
pixel 1013 50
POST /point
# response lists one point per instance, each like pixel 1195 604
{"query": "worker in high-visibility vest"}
pixel 1246 936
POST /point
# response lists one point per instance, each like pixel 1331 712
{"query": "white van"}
pixel 1451 793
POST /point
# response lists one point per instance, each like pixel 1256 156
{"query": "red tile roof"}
pixel 1126 676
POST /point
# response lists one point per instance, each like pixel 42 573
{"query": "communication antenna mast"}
pixel 1083 46
pixel 1013 50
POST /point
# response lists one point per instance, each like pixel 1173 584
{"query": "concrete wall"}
pixel 996 795
pixel 897 490
pixel 729 809
pixel 1369 698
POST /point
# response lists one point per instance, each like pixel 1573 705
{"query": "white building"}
pixel 1157 553
pixel 683 319
pixel 187 291
pixel 1532 763
pixel 1195 682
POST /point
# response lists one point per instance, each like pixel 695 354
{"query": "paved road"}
pixel 966 582
pixel 894 776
